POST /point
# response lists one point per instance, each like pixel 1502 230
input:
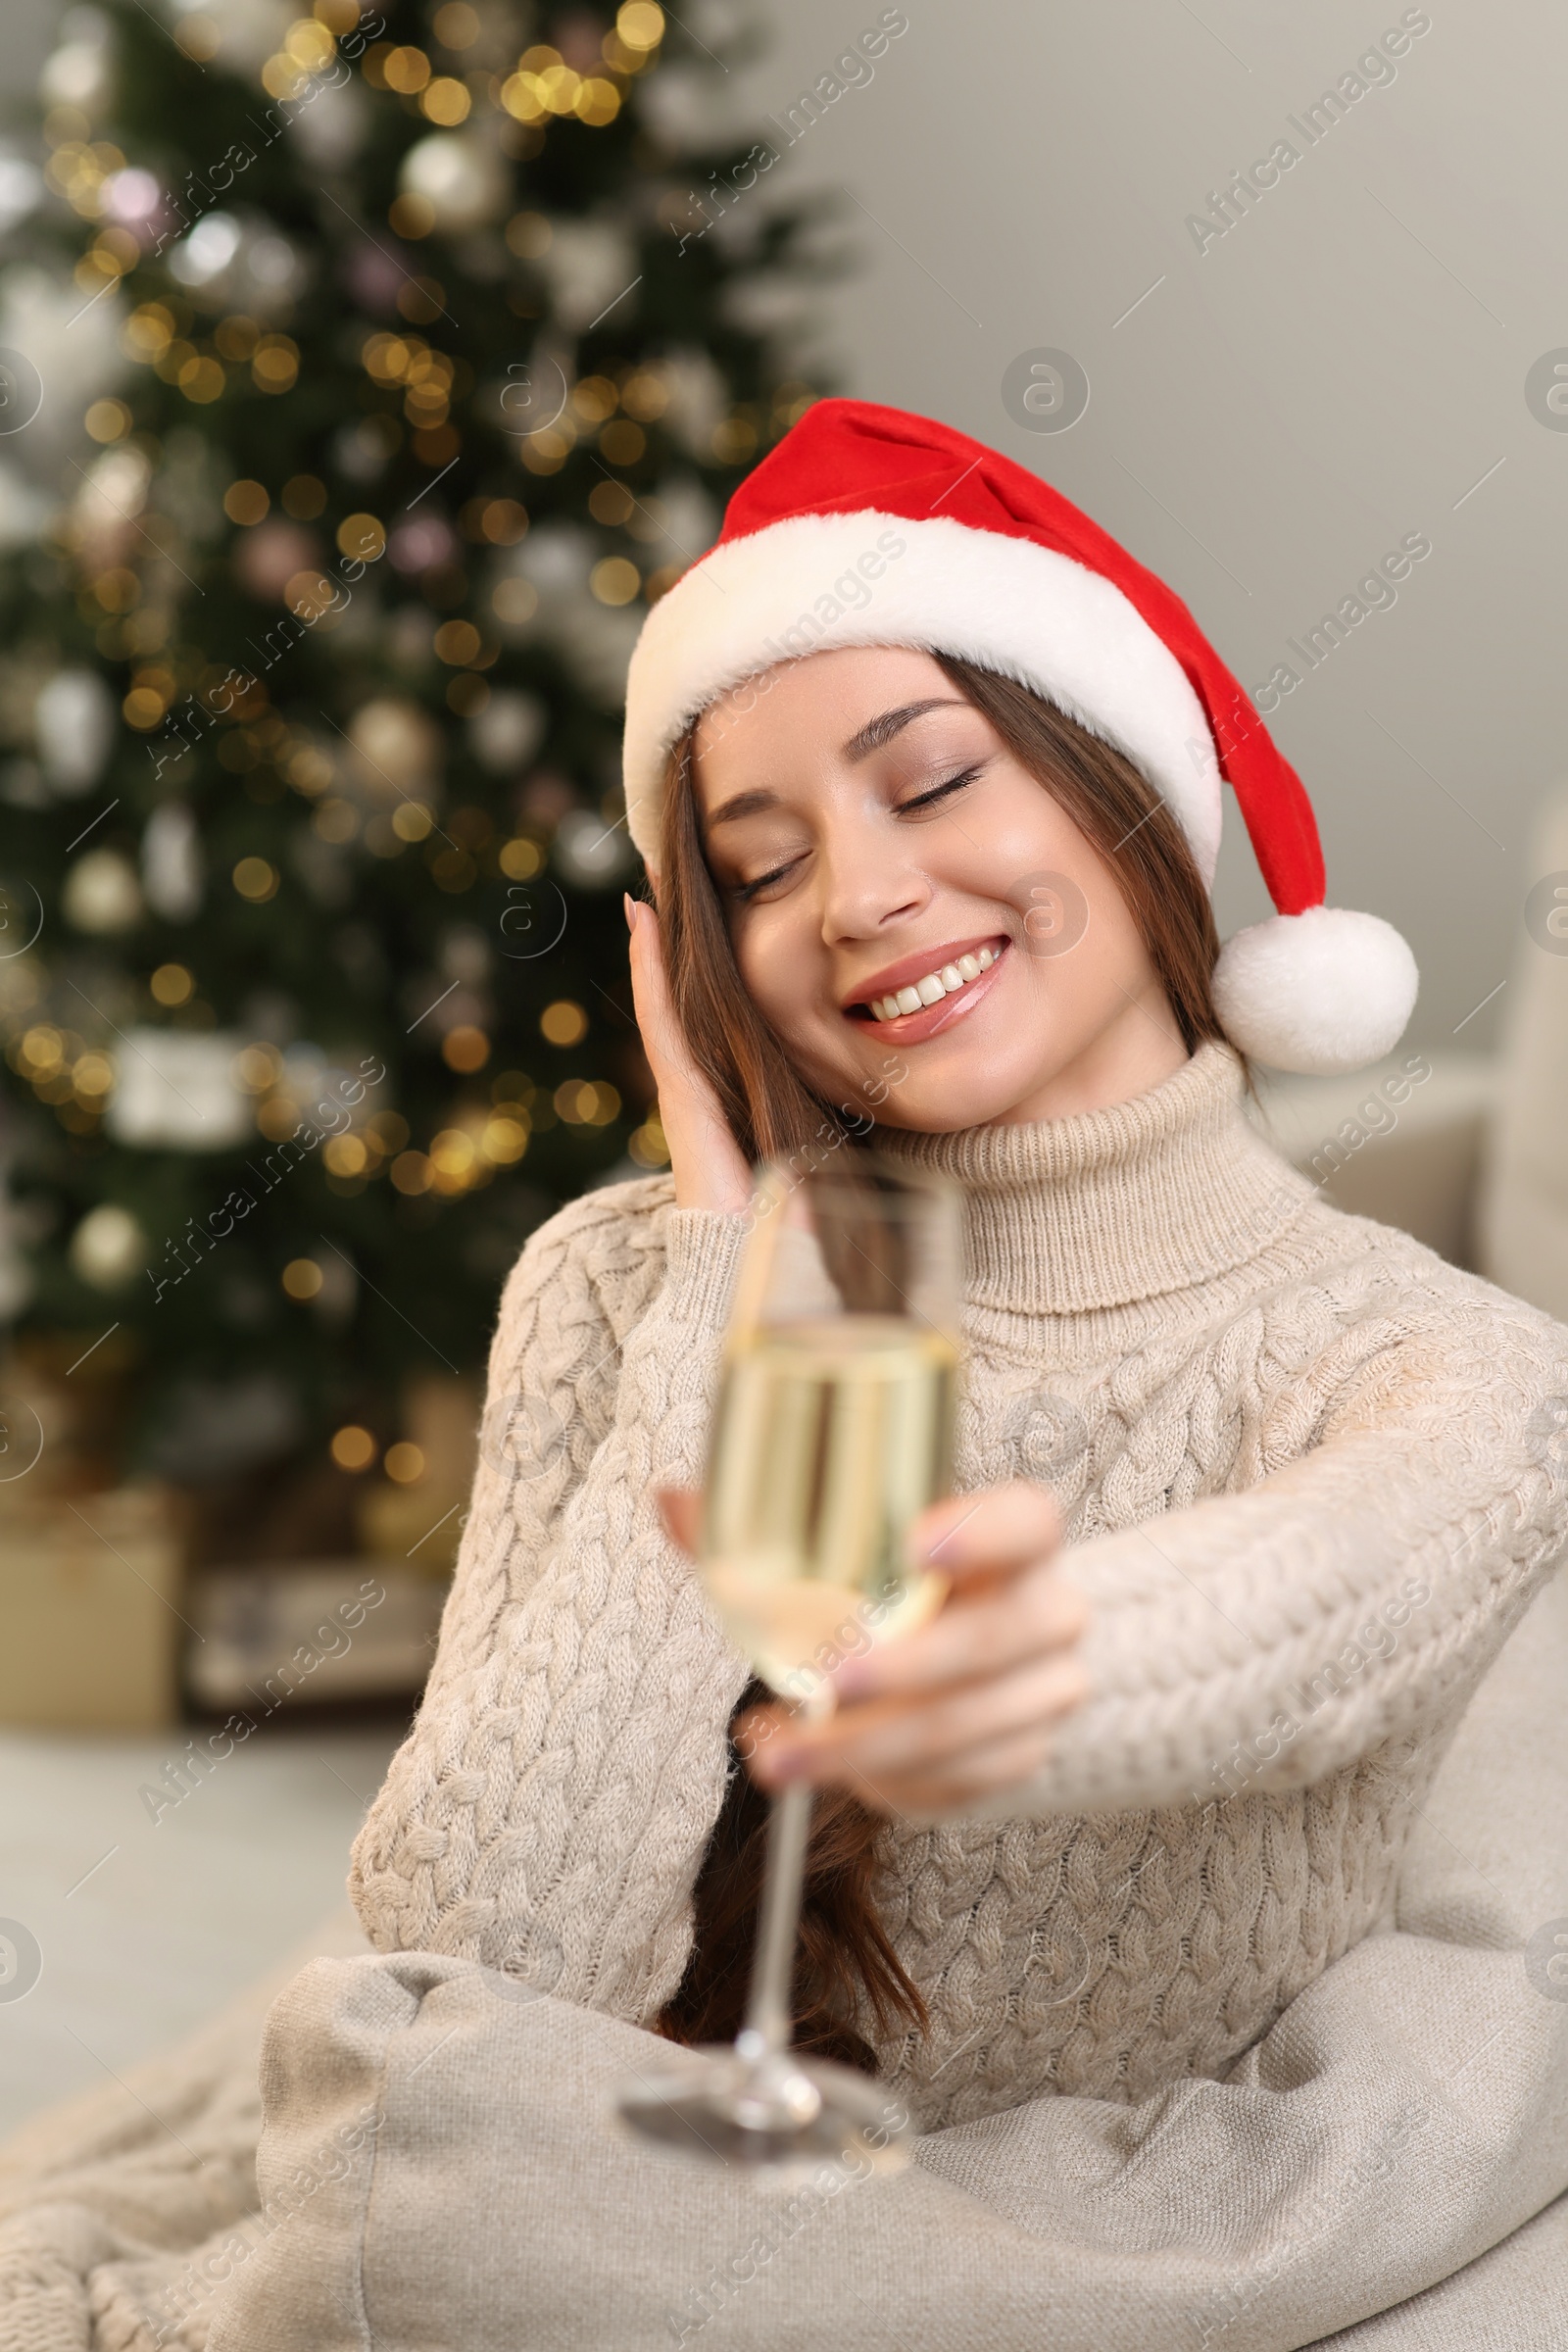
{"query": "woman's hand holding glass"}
pixel 962 1709
pixel 965 1706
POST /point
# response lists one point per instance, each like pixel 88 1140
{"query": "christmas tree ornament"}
pixel 331 129
pixel 104 515
pixel 133 199
pixel 1012 577
pixel 507 732
pixel 465 954
pixel 591 850
pixel 460 176
pixel 22 188
pixel 696 398
pixel 206 250
pixel 74 351
pixel 172 862
pixel 80 73
pixel 176 1092
pixel 108 1248
pixel 268 558
pixel 420 542
pixel 101 894
pixel 74 728
pixel 229 261
pixel 398 748
pixel 239 35
pixel 587 265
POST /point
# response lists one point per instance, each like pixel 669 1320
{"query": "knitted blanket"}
pixel 1407 2114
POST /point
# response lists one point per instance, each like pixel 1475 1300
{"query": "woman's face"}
pixel 870 834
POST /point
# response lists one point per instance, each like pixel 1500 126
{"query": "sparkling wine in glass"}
pixel 833 1428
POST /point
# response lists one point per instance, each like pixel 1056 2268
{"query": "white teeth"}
pixel 934 987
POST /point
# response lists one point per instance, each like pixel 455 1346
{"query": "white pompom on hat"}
pixel 868 526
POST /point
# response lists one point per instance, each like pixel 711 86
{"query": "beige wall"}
pixel 1335 373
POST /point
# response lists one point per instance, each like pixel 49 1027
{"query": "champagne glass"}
pixel 833 1428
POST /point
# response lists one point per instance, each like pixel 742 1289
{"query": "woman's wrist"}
pixel 701 1252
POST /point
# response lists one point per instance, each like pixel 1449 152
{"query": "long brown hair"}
pixel 845 1961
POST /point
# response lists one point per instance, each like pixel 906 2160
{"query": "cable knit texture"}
pixel 1311 1475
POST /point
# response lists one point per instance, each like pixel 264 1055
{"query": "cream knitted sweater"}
pixel 1313 1476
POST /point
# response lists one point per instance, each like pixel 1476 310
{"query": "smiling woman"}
pixel 945 799
pixel 950 867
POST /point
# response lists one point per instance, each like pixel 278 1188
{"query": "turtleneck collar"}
pixel 1112 1206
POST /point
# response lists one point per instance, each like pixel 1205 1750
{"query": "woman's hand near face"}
pixel 963 1708
pixel 708 1164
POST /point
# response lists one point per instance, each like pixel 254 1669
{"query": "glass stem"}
pixel 768 2020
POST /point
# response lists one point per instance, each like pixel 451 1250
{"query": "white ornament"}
pixel 108 1248
pixel 698 398
pixel 587 265
pixel 176 1092
pixel 249 31
pixel 21 190
pixel 172 862
pixel 74 725
pixel 461 178
pixel 101 894
pixel 399 748
pixel 590 851
pixel 205 252
pixel 508 730
pixel 330 126
pixel 78 72
pixel 76 352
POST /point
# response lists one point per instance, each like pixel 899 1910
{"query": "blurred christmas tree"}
pixel 365 378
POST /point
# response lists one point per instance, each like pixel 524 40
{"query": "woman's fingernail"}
pixel 631 912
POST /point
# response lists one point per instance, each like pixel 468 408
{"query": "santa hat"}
pixel 867 527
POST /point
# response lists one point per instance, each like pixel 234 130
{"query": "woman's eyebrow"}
pixel 742 803
pixel 878 731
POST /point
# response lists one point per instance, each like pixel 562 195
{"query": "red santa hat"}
pixel 867 527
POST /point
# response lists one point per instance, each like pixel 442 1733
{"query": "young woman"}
pixel 926 774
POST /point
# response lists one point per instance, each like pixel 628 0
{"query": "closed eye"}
pixel 745 891
pixel 940 792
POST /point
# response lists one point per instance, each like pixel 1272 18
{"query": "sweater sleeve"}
pixel 549 1810
pixel 1264 1640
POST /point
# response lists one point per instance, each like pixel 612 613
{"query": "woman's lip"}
pixel 913 1028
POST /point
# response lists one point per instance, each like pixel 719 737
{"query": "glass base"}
pixel 780 2116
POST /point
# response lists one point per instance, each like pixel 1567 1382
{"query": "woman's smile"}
pixel 928 990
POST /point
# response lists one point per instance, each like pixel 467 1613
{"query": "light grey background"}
pixel 1338 371
pixel 1341 369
